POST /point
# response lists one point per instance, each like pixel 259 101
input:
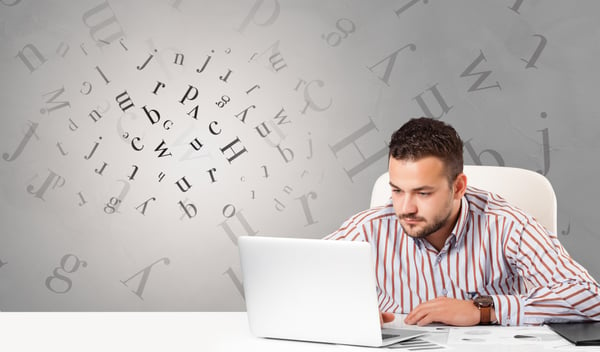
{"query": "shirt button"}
pixel 438 260
pixel 444 292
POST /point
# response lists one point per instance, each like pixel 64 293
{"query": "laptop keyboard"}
pixel 388 336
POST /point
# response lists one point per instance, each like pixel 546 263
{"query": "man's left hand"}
pixel 449 311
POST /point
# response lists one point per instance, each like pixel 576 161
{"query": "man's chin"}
pixel 413 231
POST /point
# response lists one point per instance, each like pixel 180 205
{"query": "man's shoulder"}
pixel 491 204
pixel 360 225
pixel 480 199
pixel 375 213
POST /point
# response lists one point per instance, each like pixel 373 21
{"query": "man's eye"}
pixel 424 194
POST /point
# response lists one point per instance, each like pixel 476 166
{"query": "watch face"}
pixel 484 301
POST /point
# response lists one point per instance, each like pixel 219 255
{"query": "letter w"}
pixel 482 75
pixel 52 100
pixel 162 148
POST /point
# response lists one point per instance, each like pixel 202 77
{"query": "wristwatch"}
pixel 485 304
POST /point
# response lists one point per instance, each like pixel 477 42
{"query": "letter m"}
pixel 103 24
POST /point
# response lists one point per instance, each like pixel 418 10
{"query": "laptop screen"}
pixel 313 290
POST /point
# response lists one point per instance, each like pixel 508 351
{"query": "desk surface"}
pixel 212 331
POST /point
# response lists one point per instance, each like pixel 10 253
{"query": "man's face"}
pixel 422 197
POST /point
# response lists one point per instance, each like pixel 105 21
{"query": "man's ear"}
pixel 460 186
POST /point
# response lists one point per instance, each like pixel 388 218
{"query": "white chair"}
pixel 523 188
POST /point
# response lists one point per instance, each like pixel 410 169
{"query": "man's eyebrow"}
pixel 422 188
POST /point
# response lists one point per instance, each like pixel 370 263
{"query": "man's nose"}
pixel 408 205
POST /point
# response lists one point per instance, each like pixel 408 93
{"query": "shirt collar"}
pixel 460 227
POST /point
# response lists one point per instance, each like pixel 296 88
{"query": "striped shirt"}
pixel 494 249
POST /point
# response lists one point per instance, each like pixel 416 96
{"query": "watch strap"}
pixel 485 304
pixel 485 315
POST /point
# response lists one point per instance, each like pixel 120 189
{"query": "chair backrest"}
pixel 525 189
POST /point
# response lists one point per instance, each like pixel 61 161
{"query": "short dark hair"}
pixel 423 137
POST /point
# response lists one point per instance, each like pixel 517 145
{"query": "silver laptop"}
pixel 313 290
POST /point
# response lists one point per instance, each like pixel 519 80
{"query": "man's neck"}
pixel 438 238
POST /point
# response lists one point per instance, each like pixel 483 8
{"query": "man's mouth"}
pixel 411 219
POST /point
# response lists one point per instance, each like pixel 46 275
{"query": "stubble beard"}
pixel 429 228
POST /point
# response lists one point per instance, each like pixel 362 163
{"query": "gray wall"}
pixel 139 139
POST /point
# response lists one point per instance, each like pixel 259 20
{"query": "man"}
pixel 457 255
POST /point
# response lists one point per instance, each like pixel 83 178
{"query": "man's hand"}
pixel 444 310
pixel 386 317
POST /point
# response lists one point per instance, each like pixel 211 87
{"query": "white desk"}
pixel 199 332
